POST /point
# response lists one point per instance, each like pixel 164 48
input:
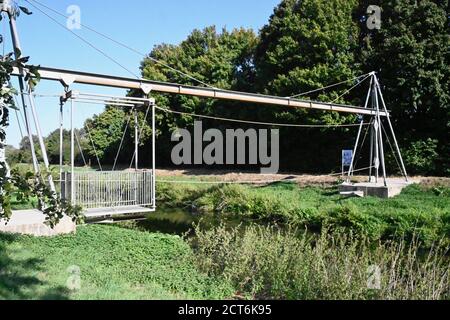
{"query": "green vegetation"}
pixel 115 263
pixel 414 35
pixel 252 263
pixel 420 211
pixel 307 45
pixel 264 262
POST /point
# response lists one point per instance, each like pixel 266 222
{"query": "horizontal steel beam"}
pixel 67 77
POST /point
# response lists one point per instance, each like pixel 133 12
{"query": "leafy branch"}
pixel 29 185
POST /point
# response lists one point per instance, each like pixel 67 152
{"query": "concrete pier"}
pixel 370 189
pixel 32 222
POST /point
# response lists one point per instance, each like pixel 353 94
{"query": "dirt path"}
pixel 303 180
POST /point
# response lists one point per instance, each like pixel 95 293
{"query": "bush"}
pixel 269 263
pixel 417 211
pixel 422 156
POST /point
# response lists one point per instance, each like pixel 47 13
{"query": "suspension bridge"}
pixel 108 194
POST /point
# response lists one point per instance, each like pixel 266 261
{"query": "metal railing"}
pixel 94 190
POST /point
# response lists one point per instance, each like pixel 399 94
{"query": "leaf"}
pixel 24 60
pixel 25 10
pixel 14 107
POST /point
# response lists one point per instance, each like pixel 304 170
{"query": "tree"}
pixel 106 131
pixel 30 185
pixel 411 55
pixel 307 45
pixel 13 155
pixel 221 59
pixel 53 147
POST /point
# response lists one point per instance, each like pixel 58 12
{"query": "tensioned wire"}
pixel 118 43
pixel 272 124
pixel 156 60
pixel 199 81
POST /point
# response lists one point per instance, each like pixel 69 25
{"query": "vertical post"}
pixel 17 52
pixel 376 128
pixel 351 170
pixel 40 138
pixel 371 150
pixel 136 159
pixel 377 150
pixel 154 155
pixel 136 138
pixel 61 139
pixel 72 151
pixel 391 127
pixel 380 136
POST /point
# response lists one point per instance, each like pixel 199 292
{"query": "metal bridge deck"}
pixel 108 213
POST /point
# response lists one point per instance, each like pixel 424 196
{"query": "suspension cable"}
pixel 327 87
pixel 352 88
pixel 259 123
pixel 392 147
pixel 93 146
pixel 85 41
pixel 16 101
pixel 81 150
pixel 141 130
pixel 129 47
pixel 121 143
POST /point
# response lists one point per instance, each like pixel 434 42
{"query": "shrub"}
pixel 421 156
pixel 269 263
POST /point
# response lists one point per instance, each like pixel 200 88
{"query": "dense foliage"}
pixel 269 263
pixel 418 212
pixel 109 263
pixel 305 45
pixel 16 185
pixel 411 54
pixel 112 263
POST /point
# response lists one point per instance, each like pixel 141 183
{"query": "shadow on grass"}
pixel 17 276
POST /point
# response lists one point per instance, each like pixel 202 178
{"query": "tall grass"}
pixel 418 211
pixel 114 263
pixel 264 262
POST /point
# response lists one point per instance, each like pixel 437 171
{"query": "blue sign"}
pixel 347 157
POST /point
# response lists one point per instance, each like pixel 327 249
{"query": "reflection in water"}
pixel 180 221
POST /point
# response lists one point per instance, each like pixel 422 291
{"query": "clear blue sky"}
pixel 139 23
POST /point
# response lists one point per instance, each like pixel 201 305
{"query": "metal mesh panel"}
pixel 110 189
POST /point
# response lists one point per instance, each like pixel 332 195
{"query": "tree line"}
pixel 305 45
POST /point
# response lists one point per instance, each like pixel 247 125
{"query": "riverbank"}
pixel 421 211
pixel 240 252
pixel 109 262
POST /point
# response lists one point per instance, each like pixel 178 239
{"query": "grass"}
pixel 114 263
pixel 269 263
pixel 109 262
pixel 351 236
pixel 423 212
